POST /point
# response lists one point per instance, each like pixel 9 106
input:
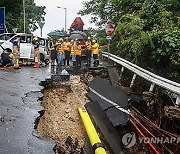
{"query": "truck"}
pixel 26 46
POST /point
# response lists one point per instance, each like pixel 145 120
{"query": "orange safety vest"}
pixel 89 45
pixel 66 46
pixel 73 51
pixel 60 48
pixel 78 50
pixel 72 48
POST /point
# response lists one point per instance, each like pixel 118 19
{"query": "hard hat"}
pixel 35 38
pixel 72 41
pixel 66 38
pixel 60 39
pixel 89 38
pixel 94 41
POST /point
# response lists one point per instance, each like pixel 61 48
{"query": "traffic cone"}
pixel 36 62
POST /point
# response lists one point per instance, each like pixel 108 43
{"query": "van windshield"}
pixel 6 36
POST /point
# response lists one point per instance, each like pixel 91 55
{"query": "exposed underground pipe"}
pixel 148 131
pixel 141 133
pixel 91 131
pixel 142 125
pixel 152 125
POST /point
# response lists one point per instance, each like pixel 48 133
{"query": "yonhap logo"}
pixel 129 140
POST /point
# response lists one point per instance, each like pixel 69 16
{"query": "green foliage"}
pixel 147 31
pixel 98 34
pixel 34 14
pixel 14 14
pixel 166 51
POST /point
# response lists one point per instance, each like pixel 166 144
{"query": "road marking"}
pixel 111 102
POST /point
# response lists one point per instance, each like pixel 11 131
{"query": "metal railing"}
pixel 149 76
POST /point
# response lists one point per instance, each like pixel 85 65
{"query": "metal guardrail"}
pixel 149 76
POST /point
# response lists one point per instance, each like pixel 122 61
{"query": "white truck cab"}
pixel 26 46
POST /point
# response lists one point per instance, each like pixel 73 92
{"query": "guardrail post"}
pixel 122 70
pixel 152 87
pixel 178 100
pixel 133 79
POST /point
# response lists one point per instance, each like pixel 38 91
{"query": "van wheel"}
pixel 41 57
pixel 46 61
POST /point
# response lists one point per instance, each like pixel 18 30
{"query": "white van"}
pixel 26 46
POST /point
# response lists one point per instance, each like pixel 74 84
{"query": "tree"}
pixel 34 14
pixel 147 31
pixel 14 14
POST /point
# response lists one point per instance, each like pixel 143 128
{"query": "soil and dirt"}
pixel 61 121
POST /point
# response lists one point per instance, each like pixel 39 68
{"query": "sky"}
pixel 55 17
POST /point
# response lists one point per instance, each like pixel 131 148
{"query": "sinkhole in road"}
pixel 60 120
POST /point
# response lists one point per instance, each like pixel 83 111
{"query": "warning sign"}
pixel 109 29
pixel 2 20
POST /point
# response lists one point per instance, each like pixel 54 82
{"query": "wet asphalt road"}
pixel 19 93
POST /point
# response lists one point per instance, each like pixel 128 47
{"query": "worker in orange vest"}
pixel 53 53
pixel 16 52
pixel 36 52
pixel 60 52
pixel 66 47
pixel 95 52
pixel 88 45
pixel 73 53
pixel 78 52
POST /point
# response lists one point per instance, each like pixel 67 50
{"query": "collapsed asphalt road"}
pixel 60 120
pixel 19 106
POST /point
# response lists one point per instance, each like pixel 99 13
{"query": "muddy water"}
pixel 61 121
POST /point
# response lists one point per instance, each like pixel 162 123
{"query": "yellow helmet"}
pixel 89 38
pixel 94 41
pixel 72 41
pixel 60 39
pixel 35 38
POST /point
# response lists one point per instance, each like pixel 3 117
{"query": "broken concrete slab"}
pixel 104 104
pixel 114 76
pixel 117 117
pixel 112 100
pixel 108 91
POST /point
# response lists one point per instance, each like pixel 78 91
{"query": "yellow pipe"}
pixel 91 131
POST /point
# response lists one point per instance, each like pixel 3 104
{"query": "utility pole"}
pixel 24 11
pixel 65 19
